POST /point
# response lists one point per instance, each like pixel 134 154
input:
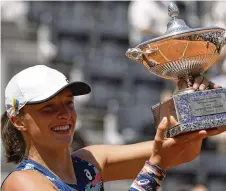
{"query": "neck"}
pixel 51 158
pixel 46 155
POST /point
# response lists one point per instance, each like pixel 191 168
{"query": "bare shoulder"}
pixel 101 153
pixel 27 180
pixel 93 154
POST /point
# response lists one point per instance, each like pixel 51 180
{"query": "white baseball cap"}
pixel 38 84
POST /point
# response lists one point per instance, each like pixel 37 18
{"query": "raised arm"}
pixel 154 171
pixel 126 161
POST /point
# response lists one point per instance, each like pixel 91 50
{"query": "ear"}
pixel 18 122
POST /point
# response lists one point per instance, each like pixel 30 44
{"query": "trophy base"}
pixel 194 111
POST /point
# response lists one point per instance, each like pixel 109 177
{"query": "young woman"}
pixel 38 127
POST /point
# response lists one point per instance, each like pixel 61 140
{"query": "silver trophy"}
pixel 184 53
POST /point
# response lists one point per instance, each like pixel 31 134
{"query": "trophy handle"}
pixel 221 42
pixel 137 54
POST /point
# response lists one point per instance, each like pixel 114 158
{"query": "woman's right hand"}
pixel 170 152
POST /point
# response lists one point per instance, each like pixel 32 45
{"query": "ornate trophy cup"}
pixel 183 53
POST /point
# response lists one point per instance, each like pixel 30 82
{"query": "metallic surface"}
pixel 182 51
pixel 208 105
pixel 194 111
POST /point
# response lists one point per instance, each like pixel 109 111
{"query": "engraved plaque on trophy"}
pixel 184 53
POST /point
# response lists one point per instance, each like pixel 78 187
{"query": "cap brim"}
pixel 77 88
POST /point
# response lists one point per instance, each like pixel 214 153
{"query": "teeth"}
pixel 61 128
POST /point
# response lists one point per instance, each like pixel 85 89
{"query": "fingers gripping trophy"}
pixel 184 53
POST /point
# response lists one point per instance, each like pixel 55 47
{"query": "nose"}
pixel 64 113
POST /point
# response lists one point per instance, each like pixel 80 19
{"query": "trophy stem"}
pixel 189 80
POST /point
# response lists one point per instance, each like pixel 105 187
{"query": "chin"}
pixel 64 141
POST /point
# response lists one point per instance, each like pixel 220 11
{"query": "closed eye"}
pixel 48 109
pixel 71 104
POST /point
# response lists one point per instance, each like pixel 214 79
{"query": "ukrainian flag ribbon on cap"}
pixel 15 108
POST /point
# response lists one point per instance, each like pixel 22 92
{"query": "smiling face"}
pixel 52 123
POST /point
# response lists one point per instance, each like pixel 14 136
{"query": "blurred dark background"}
pixel 87 41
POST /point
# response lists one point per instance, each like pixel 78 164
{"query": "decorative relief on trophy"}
pixel 183 53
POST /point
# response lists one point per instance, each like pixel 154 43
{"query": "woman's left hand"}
pixel 200 83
